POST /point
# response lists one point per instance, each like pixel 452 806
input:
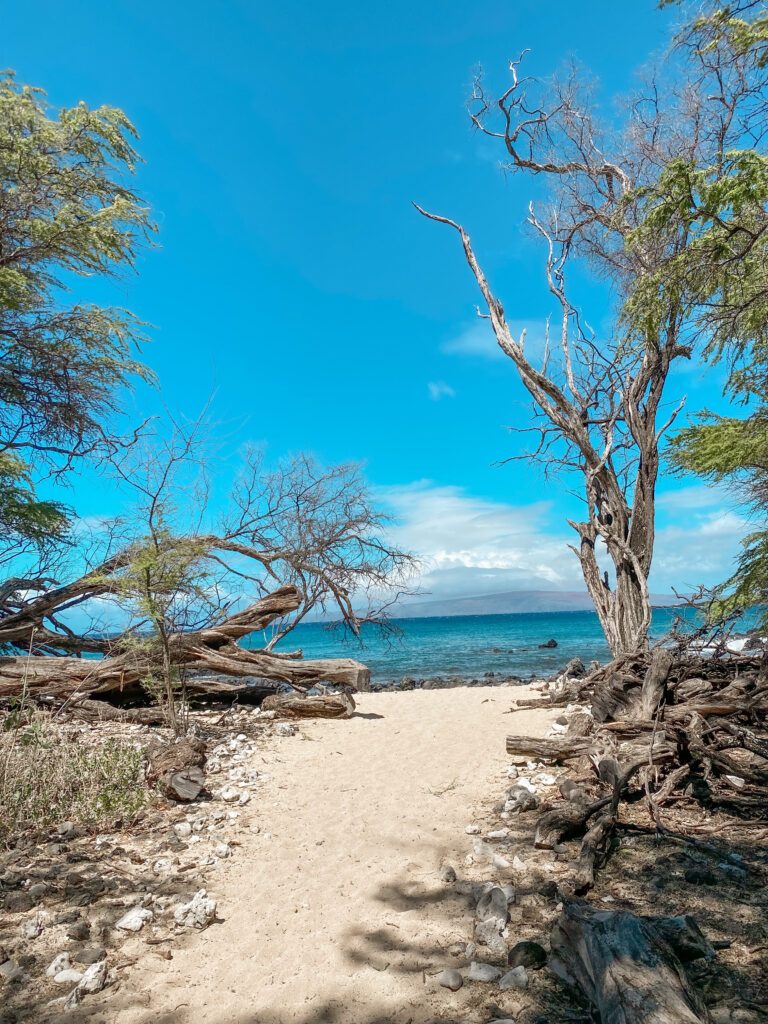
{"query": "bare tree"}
pixel 188 588
pixel 599 399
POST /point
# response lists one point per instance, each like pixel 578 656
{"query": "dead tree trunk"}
pixel 630 968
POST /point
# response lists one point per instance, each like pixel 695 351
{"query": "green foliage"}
pixel 24 520
pixel 66 213
pixel 718 276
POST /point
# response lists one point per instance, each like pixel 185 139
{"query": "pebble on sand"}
pixel 451 979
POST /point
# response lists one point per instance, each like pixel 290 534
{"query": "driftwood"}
pixel 178 769
pixel 631 969
pixel 557 749
pixel 655 725
pixel 215 649
pixel 331 705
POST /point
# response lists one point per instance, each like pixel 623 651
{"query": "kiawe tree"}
pixel 67 213
pixel 600 399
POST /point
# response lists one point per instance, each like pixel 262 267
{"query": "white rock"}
pixel 545 779
pixel 245 796
pixel 500 862
pixel 163 866
pixel 516 978
pixel 68 977
pixel 31 929
pixel 182 829
pixel 483 972
pixel 230 794
pixel 285 729
pixel 135 919
pixel 94 979
pixel 499 833
pixel 472 830
pixel 221 850
pixel 60 963
pixel 198 913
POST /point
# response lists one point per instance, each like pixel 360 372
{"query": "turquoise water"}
pixel 468 645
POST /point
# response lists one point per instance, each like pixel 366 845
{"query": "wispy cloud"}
pixel 439 389
pixel 478 340
pixel 471 545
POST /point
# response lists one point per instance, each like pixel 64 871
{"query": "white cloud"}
pixel 439 389
pixel 470 545
pixel 478 340
pixel 473 545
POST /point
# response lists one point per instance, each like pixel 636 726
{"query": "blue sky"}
pixel 283 147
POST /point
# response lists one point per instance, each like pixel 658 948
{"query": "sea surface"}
pixel 468 645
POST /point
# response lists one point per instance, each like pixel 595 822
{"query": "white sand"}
pixel 341 916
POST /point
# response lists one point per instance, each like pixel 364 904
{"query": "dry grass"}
pixel 47 777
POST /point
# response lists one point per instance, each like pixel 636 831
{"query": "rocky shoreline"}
pixel 575 669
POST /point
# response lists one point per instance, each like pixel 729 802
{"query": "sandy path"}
pixel 339 915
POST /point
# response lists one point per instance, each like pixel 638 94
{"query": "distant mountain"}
pixel 510 602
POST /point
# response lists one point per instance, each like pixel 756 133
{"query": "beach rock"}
pixel 285 729
pixel 448 874
pixel 135 919
pixel 79 930
pixel 488 933
pixel 68 977
pixel 66 830
pixel 32 928
pixel 500 862
pixel 230 794
pixel 11 973
pixel 574 669
pixel 516 978
pixel 548 644
pixel 472 830
pixel 450 979
pixel 182 829
pixel 527 954
pixel 483 972
pixel 198 913
pixel 520 799
pixel 18 903
pixel 492 905
pixel 94 979
pixel 38 890
pixel 59 963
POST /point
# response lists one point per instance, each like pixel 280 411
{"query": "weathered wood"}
pixel 626 966
pixel 653 684
pixel 564 822
pixel 331 705
pixel 555 749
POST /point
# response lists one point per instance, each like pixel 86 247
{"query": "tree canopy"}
pixel 66 213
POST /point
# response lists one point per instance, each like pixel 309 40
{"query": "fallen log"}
pixel 213 649
pixel 556 749
pixel 629 968
pixel 331 705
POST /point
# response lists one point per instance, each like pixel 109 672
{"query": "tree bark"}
pixel 627 966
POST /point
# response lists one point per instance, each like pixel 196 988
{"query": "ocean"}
pixel 468 645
